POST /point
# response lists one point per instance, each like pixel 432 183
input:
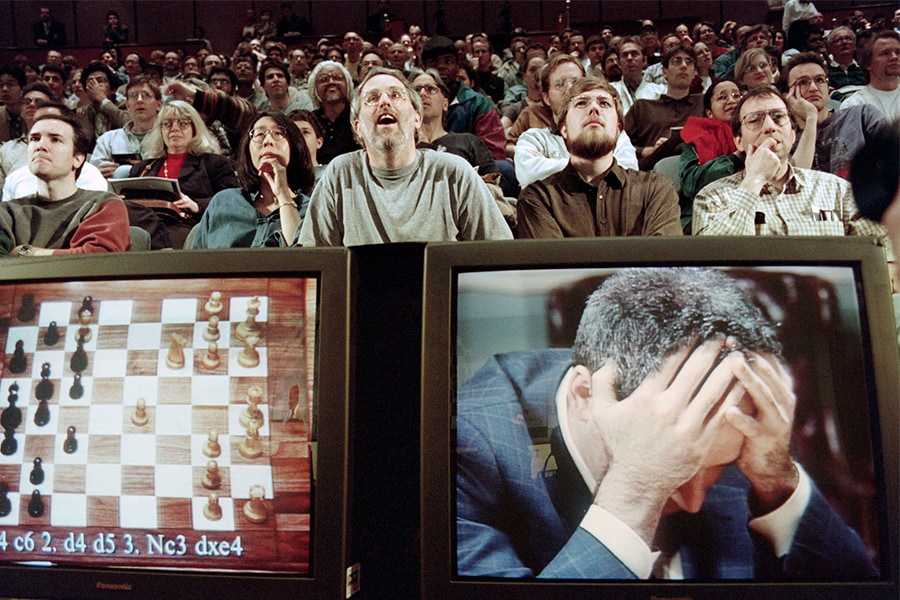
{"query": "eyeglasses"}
pixel 681 60
pixel 843 40
pixel 330 78
pixel 257 136
pixel 395 96
pixel 141 95
pixel 29 100
pixel 561 84
pixel 585 102
pixel 725 96
pixel 762 66
pixel 217 81
pixel 755 120
pixel 429 89
pixel 805 83
pixel 168 123
pixel 9 86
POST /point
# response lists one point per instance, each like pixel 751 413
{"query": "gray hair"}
pixel 203 141
pixel 327 64
pixel 410 91
pixel 638 317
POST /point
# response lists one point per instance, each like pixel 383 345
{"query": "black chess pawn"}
pixel 70 446
pixel 42 414
pixel 26 311
pixel 77 389
pixel 87 305
pixel 5 503
pixel 18 362
pixel 44 389
pixel 37 472
pixel 79 360
pixel 10 444
pixel 51 337
pixel 36 505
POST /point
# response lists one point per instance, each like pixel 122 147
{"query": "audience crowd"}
pixel 392 135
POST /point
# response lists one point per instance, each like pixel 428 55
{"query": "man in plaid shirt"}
pixel 770 196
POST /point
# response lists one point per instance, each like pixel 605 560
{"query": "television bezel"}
pixel 445 261
pixel 329 508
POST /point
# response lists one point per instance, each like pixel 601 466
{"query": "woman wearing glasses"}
pixel 182 148
pixel 755 68
pixel 275 178
pixel 709 152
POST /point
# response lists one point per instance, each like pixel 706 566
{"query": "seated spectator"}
pixel 881 58
pixel 54 77
pixel 369 59
pixel 77 97
pixel 14 153
pixel 709 152
pixel 143 103
pixel 485 77
pixel 180 147
pixel 633 86
pixel 532 96
pixel 843 70
pixel 114 33
pixel 330 87
pixel 60 218
pixel 704 77
pixel 433 136
pixel 705 31
pixel 22 182
pixel 103 113
pixel 12 80
pixel 754 69
pixel 649 124
pixel 770 196
pixel 653 73
pixel 275 177
pixel 592 195
pixel 392 192
pixel 275 81
pixel 840 134
pixel 313 135
pixel 748 36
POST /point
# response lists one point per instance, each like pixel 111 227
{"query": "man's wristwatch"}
pixel 24 250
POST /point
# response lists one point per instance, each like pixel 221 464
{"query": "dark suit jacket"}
pixel 200 178
pixel 55 39
pixel 512 525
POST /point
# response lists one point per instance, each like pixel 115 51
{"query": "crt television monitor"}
pixel 206 397
pixel 502 500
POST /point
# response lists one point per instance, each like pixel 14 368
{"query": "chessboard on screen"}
pixel 159 423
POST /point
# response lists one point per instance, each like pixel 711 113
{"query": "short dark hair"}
pixel 299 168
pixel 586 84
pixel 227 72
pixel 308 116
pixel 273 64
pixel 144 80
pixel 802 58
pixel 763 90
pixel 112 13
pixel 80 139
pixel 99 67
pixel 39 86
pixel 708 94
pixel 682 48
pixel 15 71
pixel 638 317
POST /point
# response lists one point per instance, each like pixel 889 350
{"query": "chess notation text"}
pixel 110 543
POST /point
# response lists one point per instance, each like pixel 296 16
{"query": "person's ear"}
pixel 563 131
pixel 580 392
pixel 79 160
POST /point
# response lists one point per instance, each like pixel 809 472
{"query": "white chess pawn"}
pixel 213 510
pixel 255 509
pixel 212 448
pixel 211 359
pixel 140 416
pixel 214 304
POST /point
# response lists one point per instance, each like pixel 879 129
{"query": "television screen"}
pixel 169 420
pixel 659 418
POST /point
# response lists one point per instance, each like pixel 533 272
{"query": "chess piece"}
pixel 5 503
pixel 252 414
pixel 42 414
pixel 27 310
pixel 212 449
pixel 211 359
pixel 298 409
pixel 87 305
pixel 10 444
pixel 140 416
pixel 51 337
pixel 214 304
pixel 255 508
pixel 84 330
pixel 249 356
pixel 11 417
pixel 70 445
pixel 18 362
pixel 213 511
pixel 44 388
pixel 36 505
pixel 251 445
pixel 79 361
pixel 212 330
pixel 175 357
pixel 37 472
pixel 212 479
pixel 249 327
pixel 77 389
